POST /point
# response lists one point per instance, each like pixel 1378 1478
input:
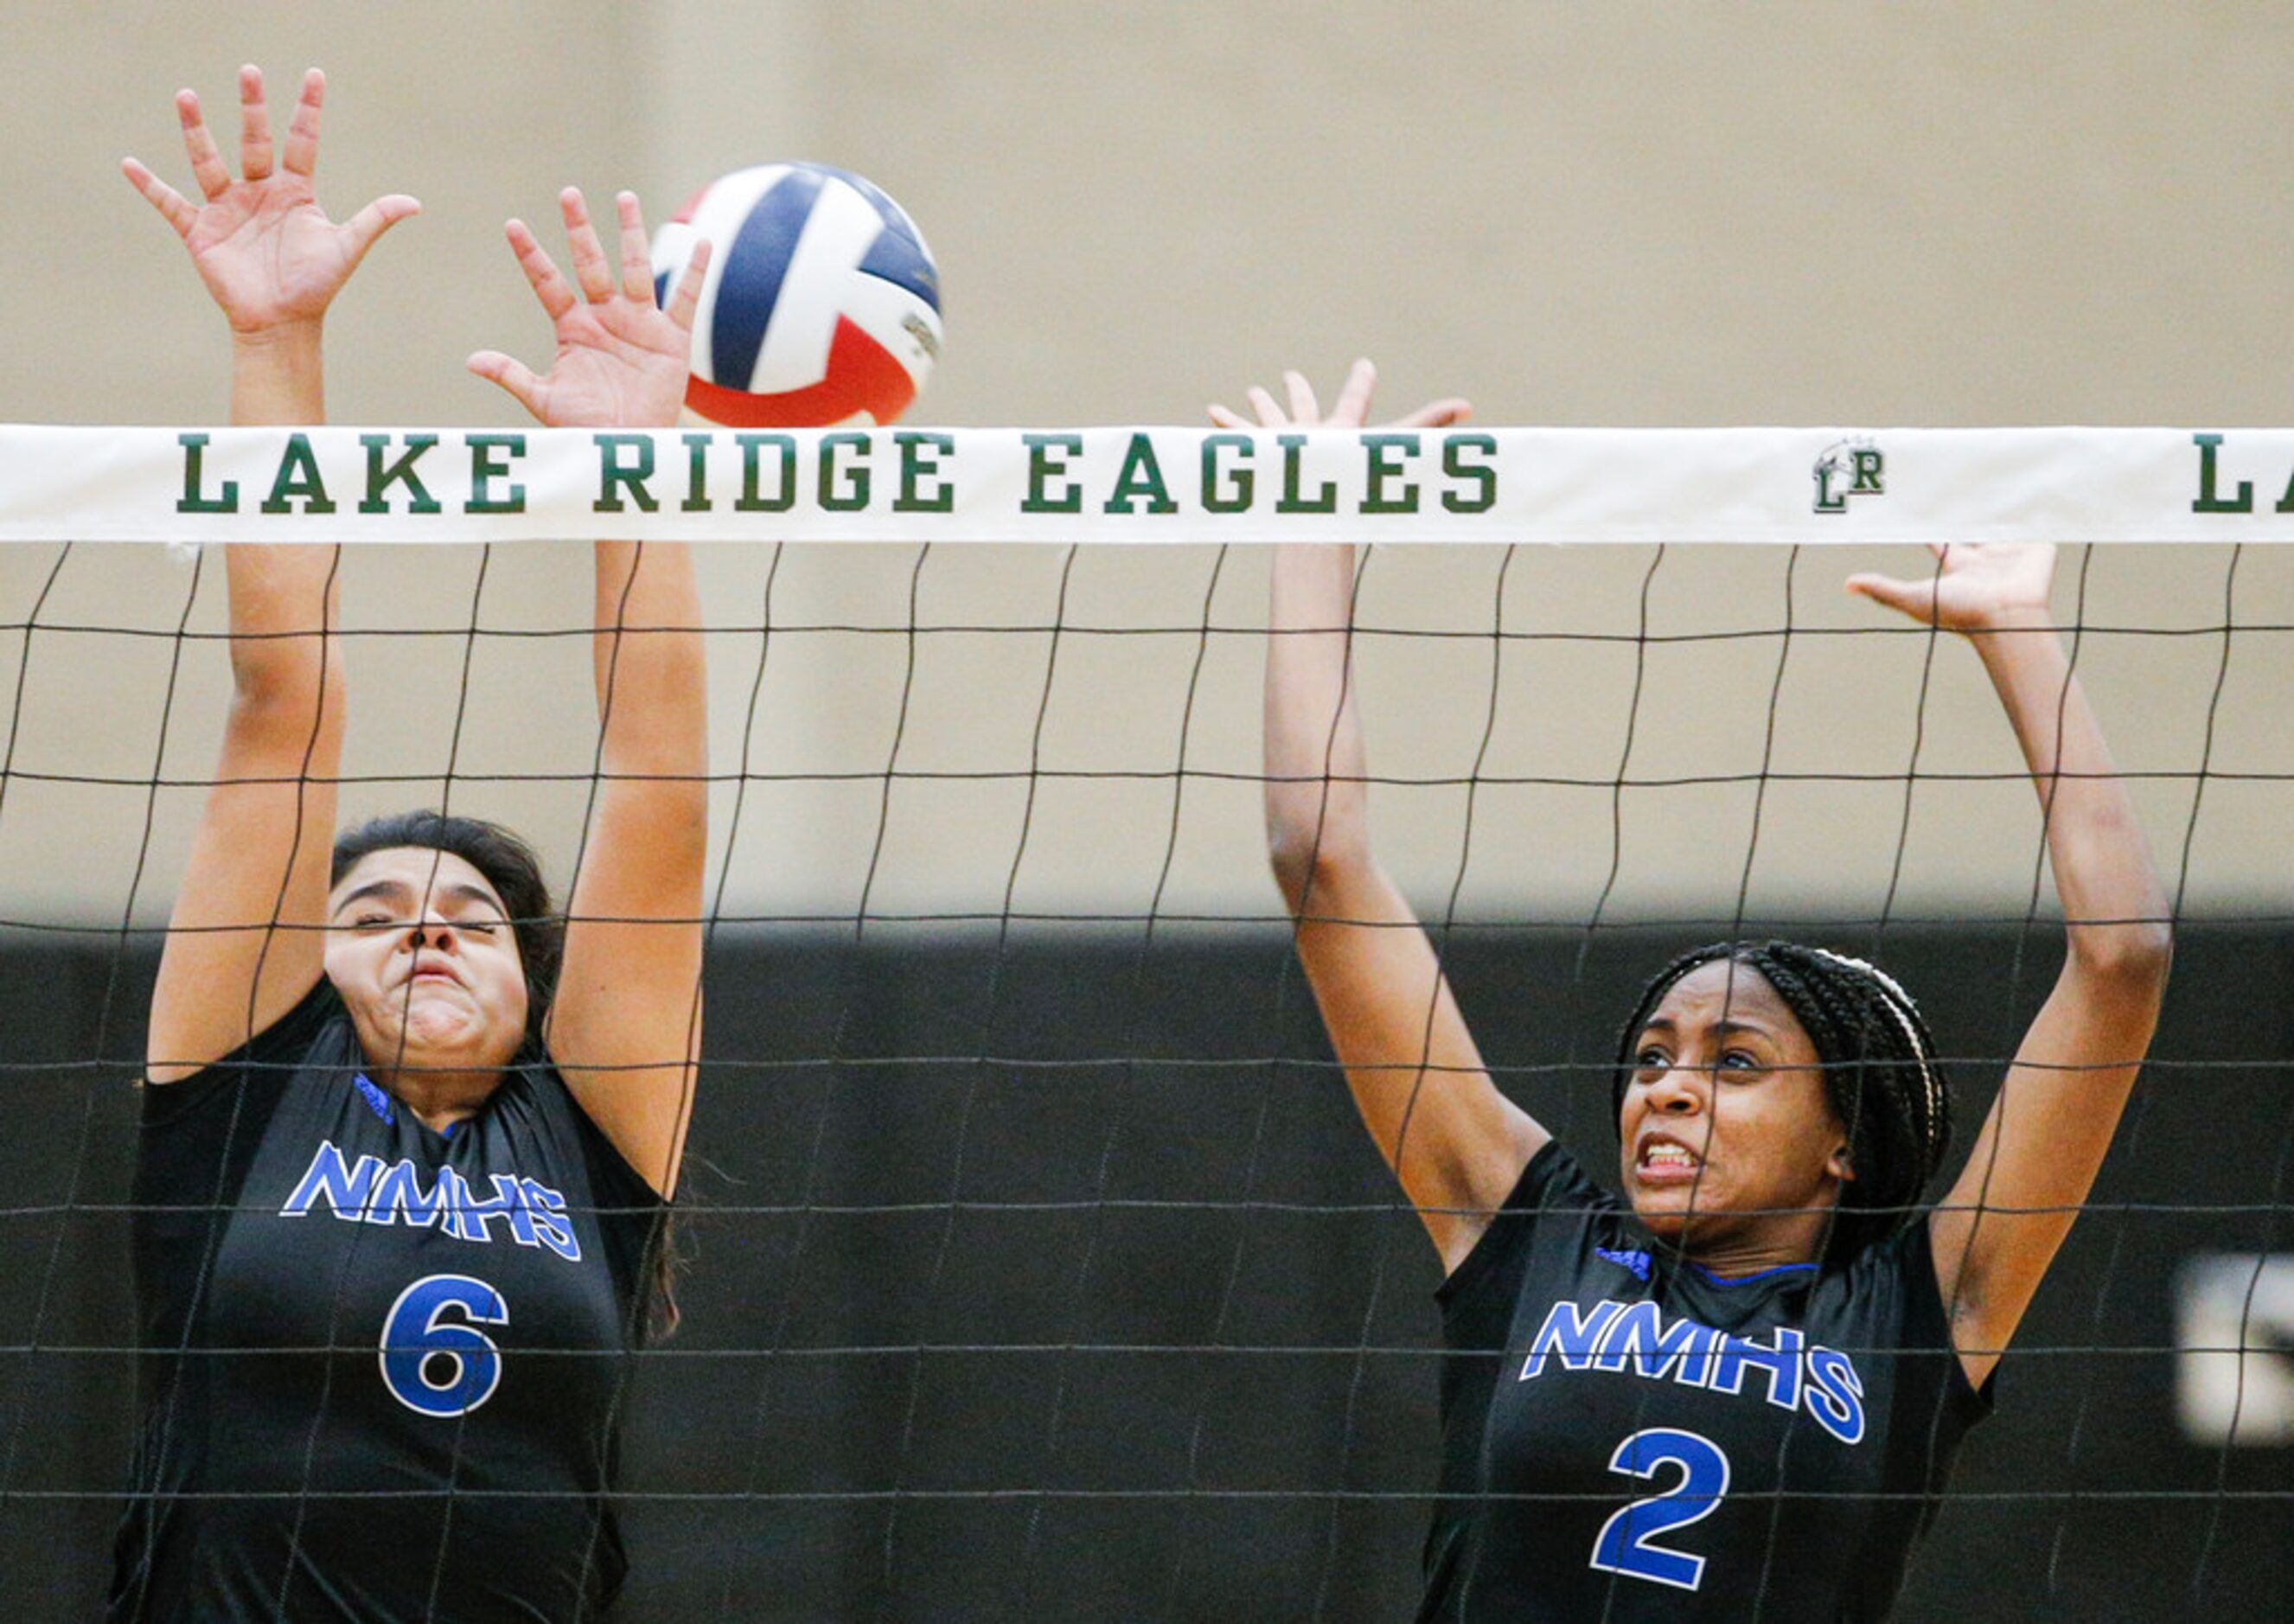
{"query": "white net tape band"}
pixel 1148 485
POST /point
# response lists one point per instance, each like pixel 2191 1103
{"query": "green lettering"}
pixel 298 476
pixel 195 451
pixel 1480 475
pixel 696 473
pixel 1042 468
pixel 915 466
pixel 1236 498
pixel 2207 502
pixel 613 472
pixel 1380 449
pixel 380 478
pixel 1141 476
pixel 1326 501
pixel 855 497
pixel 752 499
pixel 489 455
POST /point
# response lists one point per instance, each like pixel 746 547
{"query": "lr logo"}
pixel 1848 468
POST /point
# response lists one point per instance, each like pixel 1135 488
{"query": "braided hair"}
pixel 1880 1073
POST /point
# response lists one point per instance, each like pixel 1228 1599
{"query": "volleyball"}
pixel 821 306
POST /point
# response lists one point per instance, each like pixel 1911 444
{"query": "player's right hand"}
pixel 268 253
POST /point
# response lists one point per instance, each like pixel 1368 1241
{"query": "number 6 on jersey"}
pixel 442 1369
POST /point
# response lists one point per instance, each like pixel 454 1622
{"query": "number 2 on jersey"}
pixel 1627 1544
pixel 433 1366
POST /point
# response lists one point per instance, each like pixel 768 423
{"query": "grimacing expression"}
pixel 1727 1130
pixel 421 949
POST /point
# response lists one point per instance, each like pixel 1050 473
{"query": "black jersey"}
pixel 381 1367
pixel 1625 1436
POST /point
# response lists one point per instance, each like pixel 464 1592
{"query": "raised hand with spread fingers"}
pixel 1349 411
pixel 272 258
pixel 622 359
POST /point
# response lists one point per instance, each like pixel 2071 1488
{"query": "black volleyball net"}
pixel 1037 1262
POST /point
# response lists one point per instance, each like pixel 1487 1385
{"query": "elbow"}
pixel 290 697
pixel 2131 959
pixel 300 672
pixel 1311 862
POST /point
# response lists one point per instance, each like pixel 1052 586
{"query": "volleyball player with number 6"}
pixel 404 1163
pixel 1739 1387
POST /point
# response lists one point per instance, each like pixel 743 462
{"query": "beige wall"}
pixel 1957 213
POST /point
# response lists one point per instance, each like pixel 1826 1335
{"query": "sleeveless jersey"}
pixel 380 1367
pixel 1625 1436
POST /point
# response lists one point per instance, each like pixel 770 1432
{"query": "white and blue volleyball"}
pixel 822 303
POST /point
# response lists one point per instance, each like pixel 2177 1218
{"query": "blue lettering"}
pixel 1639 1337
pixel 1835 1394
pixel 1783 1363
pixel 512 1199
pixel 399 1198
pixel 1684 1349
pixel 347 1190
pixel 1574 1336
pixel 395 1194
pixel 472 1215
pixel 547 1208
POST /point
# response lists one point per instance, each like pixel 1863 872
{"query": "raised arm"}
pixel 625 1026
pixel 1457 1145
pixel 2052 1123
pixel 245 940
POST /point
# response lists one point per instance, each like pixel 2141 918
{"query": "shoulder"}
pixel 1889 1292
pixel 1555 1201
pixel 273 1055
pixel 537 1091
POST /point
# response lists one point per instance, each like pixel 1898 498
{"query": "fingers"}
pixel 1351 408
pixel 362 228
pixel 1436 413
pixel 591 269
pixel 207 168
pixel 301 154
pixel 1353 404
pixel 1304 410
pixel 511 374
pixel 254 125
pixel 172 205
pixel 542 273
pixel 685 298
pixel 1916 598
pixel 637 260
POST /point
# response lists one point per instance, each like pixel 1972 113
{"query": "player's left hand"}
pixel 1350 410
pixel 1978 586
pixel 622 360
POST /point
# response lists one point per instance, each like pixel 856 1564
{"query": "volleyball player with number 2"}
pixel 410 1138
pixel 1741 1385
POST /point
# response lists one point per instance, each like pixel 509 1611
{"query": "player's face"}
pixel 1730 1143
pixel 421 949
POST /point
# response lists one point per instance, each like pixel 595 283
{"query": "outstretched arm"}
pixel 2052 1123
pixel 625 1026
pixel 1457 1145
pixel 245 940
